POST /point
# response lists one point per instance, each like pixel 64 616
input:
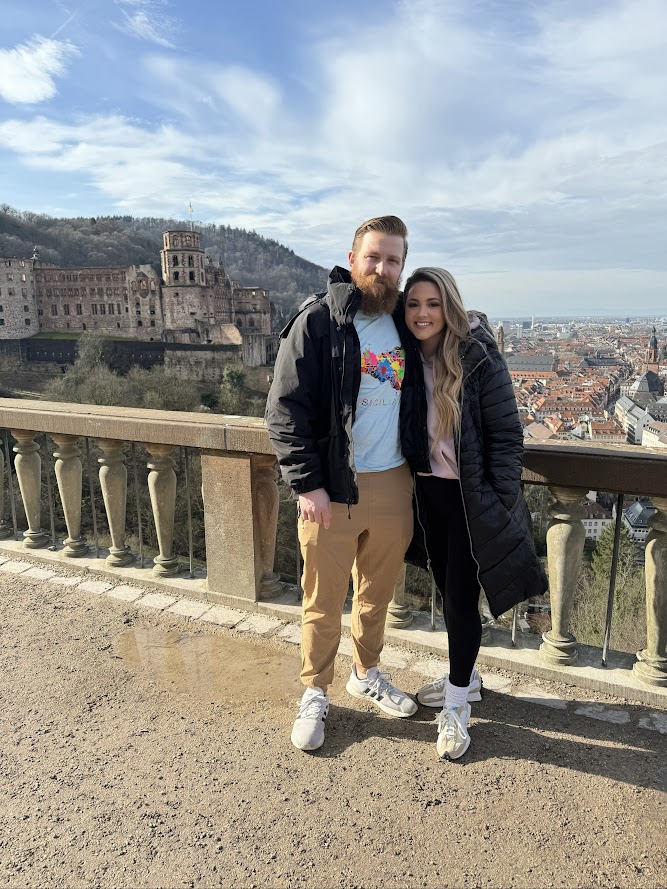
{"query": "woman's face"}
pixel 424 314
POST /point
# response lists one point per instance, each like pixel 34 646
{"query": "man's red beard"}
pixel 379 296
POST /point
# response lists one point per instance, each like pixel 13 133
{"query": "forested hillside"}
pixel 122 240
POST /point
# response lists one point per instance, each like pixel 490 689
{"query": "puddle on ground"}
pixel 211 668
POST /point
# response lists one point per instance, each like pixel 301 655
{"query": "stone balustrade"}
pixel 241 505
pixel 570 470
pixel 238 486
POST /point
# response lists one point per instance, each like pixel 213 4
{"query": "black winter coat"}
pixel 312 401
pixel 489 456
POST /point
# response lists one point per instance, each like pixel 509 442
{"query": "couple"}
pixel 380 399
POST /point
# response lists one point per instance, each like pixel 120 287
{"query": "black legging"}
pixel 454 569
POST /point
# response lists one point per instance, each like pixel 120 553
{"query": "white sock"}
pixel 455 696
pixel 472 675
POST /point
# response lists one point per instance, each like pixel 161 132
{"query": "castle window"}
pixel 191 276
pixel 103 309
pixel 174 260
pixel 2 322
pixel 0 308
pixel 190 261
pixel 176 276
pixel 26 309
pixel 118 309
pixel 28 322
pixel 23 277
pixel 66 309
pixel 40 311
pixel 79 309
pixel 251 322
pixel 117 323
pixel 83 327
pixel 140 323
pixel 152 323
pixel 94 308
pixel 10 291
pixel 54 310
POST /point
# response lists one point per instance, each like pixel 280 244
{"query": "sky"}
pixel 524 142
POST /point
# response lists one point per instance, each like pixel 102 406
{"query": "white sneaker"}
pixel 453 737
pixel 433 694
pixel 377 688
pixel 308 729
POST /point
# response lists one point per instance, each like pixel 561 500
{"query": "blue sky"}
pixel 524 143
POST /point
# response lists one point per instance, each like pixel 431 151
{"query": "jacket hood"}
pixel 342 293
pixel 480 342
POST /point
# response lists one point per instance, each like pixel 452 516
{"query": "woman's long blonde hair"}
pixel 447 368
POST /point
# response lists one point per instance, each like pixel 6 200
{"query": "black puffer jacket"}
pixel 312 401
pixel 489 455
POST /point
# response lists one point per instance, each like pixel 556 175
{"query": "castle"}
pixel 192 302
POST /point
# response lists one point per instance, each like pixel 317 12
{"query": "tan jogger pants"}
pixel 370 543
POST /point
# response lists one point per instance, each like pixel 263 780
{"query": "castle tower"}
pixel 500 338
pixel 182 258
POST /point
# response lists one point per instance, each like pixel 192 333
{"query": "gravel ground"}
pixel 140 749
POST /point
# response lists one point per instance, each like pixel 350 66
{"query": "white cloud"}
pixel 506 153
pixel 28 71
pixel 147 21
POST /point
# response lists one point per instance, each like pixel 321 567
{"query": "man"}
pixel 342 417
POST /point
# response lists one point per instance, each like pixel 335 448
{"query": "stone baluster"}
pixel 5 529
pixel 265 501
pixel 399 614
pixel 28 465
pixel 68 475
pixel 651 665
pixel 162 489
pixel 565 547
pixel 113 482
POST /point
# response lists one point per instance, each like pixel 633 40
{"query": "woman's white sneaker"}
pixel 308 729
pixel 453 737
pixel 378 689
pixel 433 694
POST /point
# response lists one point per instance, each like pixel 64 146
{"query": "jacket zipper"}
pixel 458 462
pixel 421 525
pixel 349 443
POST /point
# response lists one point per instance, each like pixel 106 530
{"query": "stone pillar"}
pixel 399 614
pixel 565 547
pixel 28 465
pixel 113 482
pixel 5 529
pixel 162 488
pixel 68 475
pixel 265 502
pixel 651 665
pixel 239 545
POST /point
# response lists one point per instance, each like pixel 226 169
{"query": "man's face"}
pixel 376 270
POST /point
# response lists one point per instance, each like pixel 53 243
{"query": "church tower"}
pixel 652 358
pixel 500 338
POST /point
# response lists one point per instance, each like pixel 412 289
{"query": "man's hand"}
pixel 315 506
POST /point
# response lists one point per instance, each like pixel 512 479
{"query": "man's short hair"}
pixel 388 225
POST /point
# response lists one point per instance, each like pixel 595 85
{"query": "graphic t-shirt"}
pixel 375 432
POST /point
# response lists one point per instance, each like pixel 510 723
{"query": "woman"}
pixel 472 526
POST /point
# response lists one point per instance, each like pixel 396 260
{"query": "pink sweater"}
pixel 443 453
